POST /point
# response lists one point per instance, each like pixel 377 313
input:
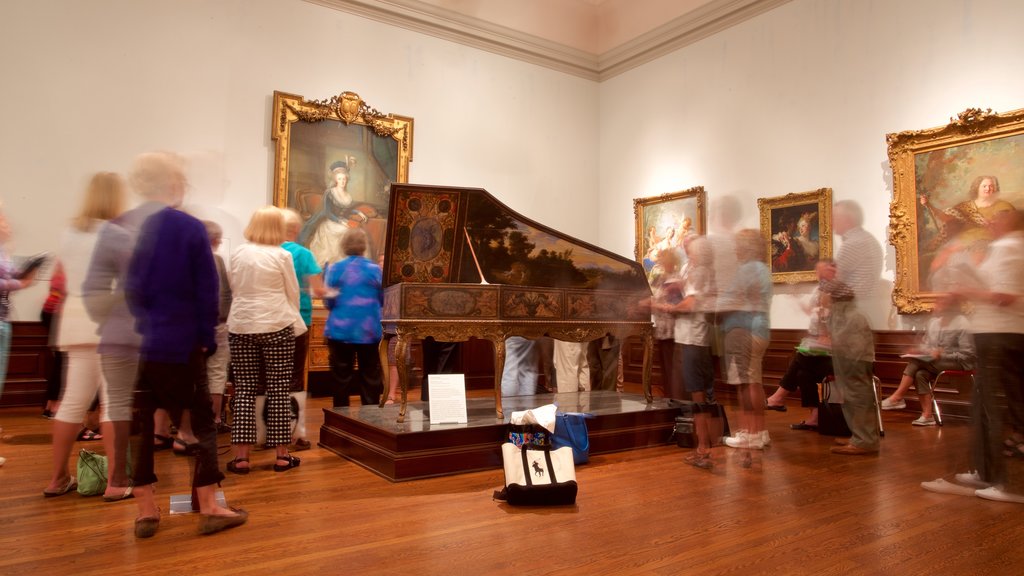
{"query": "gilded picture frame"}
pixel 935 174
pixel 334 163
pixel 797 229
pixel 663 221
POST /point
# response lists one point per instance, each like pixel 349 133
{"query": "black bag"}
pixel 831 421
pixel 685 431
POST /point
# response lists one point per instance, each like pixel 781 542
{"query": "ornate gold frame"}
pixel 822 197
pixel 641 206
pixel 347 108
pixel 972 126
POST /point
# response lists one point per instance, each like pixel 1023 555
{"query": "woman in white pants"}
pixel 77 336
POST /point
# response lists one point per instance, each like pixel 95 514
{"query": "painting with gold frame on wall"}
pixel 334 163
pixel 797 229
pixel 936 210
pixel 663 221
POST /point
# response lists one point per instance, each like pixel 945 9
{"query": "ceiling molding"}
pixel 474 32
pixel 687 29
pixel 449 25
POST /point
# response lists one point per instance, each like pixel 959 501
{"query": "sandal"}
pixel 87 435
pixel 776 407
pixel 182 448
pixel 70 485
pixel 234 467
pixel 699 459
pixel 123 493
pixel 292 462
pixel 1013 447
pixel 161 442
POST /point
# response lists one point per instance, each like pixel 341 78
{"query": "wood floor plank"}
pixel 798 510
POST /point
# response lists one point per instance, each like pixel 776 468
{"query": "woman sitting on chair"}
pixel 947 345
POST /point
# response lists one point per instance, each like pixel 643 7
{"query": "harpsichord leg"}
pixel 499 368
pixel 401 347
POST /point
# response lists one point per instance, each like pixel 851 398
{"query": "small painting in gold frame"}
pixel 797 229
pixel 663 221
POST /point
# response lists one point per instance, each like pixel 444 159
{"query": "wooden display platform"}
pixel 371 436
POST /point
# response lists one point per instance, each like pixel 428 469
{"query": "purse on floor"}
pixel 571 431
pixel 538 476
pixel 91 473
pixel 831 421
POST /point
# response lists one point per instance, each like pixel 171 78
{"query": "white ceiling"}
pixel 595 39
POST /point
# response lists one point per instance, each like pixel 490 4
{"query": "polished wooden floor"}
pixel 799 510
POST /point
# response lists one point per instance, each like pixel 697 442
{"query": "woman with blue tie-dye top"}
pixel 353 327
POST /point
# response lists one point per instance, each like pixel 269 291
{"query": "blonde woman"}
pixel 262 325
pixel 77 336
pixel 747 328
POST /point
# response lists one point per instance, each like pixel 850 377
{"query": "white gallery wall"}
pixel 801 98
pixel 793 100
pixel 88 85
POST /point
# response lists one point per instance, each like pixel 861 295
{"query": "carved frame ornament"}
pixel 938 161
pixel 791 256
pixel 666 214
pixel 348 108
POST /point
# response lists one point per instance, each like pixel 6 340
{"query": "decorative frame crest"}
pixel 797 229
pixel 932 171
pixel 312 138
pixel 660 219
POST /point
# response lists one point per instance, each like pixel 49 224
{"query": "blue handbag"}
pixel 571 431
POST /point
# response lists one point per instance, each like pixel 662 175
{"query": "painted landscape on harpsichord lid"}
pixel 515 252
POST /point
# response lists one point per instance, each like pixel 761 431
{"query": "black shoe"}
pixel 801 425
pixel 779 408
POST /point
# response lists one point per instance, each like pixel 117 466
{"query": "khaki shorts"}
pixel 744 354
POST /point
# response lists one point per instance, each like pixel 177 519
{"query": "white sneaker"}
pixel 765 440
pixel 743 439
pixel 971 479
pixel 736 440
pixel 943 487
pixel 922 421
pixel 889 404
pixel 999 494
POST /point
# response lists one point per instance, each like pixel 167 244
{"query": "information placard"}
pixel 447 398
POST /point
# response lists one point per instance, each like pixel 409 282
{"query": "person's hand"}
pixel 685 306
pixel 28 279
pixel 923 199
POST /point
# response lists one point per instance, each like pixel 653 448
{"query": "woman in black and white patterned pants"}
pixel 264 315
pixel 269 354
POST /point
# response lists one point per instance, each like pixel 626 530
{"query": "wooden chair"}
pixel 948 375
